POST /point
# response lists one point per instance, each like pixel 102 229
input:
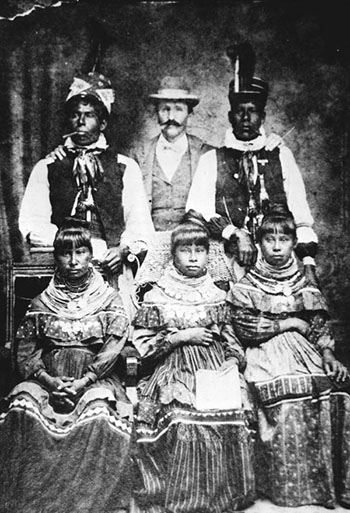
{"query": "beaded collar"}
pixel 85 299
pixel 285 280
pixel 181 288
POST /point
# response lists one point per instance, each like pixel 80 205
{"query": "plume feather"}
pixel 243 61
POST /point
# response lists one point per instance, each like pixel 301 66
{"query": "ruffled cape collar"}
pixel 284 280
pixel 178 287
pixel 68 303
pixel 276 290
pixel 180 301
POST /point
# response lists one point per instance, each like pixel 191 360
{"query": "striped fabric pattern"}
pixel 196 461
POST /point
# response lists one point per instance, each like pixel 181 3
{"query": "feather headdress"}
pixel 245 85
pixel 92 84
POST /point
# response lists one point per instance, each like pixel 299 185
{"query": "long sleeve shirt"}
pixel 154 344
pixel 35 213
pixel 202 193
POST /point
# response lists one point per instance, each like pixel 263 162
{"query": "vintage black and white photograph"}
pixel 174 256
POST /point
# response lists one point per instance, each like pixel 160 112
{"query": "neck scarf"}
pixel 254 145
pixel 87 171
pixel 251 173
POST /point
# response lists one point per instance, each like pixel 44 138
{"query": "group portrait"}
pixel 174 257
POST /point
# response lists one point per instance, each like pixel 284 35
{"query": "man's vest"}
pixel 232 191
pixel 169 197
pixel 107 194
pixel 145 156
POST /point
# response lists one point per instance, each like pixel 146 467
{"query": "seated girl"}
pixel 189 458
pixel 291 369
pixel 65 432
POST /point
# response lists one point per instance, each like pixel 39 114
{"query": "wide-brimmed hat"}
pixel 174 88
pixel 92 85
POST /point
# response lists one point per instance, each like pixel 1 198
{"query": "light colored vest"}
pixel 169 197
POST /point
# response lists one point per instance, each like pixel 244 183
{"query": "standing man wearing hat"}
pixel 235 184
pixel 169 160
pixel 85 179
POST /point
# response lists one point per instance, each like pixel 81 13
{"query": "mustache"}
pixel 170 123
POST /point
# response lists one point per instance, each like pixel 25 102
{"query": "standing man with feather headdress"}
pixel 85 179
pixel 235 185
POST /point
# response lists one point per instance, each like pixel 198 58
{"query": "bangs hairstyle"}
pixel 189 233
pixel 278 220
pixel 73 234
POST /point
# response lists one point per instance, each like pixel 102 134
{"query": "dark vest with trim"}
pixel 107 196
pixel 232 187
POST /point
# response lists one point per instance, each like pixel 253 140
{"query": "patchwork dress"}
pixel 77 459
pixel 303 419
pixel 188 459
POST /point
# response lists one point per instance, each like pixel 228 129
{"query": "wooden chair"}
pixel 22 282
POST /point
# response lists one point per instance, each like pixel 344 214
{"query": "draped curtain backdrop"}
pixel 34 79
pixel 302 50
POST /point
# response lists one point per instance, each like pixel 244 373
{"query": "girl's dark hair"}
pixel 73 233
pixel 189 233
pixel 100 109
pixel 278 217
